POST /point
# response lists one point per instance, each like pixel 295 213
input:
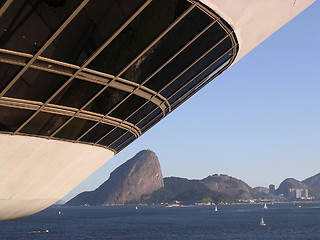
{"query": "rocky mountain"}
pixel 138 176
pixel 313 182
pixel 184 190
pixel 139 180
pixel 231 186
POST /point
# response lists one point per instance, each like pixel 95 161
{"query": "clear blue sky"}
pixel 259 121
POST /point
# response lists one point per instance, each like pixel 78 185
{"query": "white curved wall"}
pixel 255 20
pixel 37 172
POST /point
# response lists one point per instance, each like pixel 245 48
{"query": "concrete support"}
pixel 37 172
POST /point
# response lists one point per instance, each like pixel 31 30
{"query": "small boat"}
pixel 136 208
pixel 60 212
pixel 40 231
pixel 216 209
pixel 265 206
pixel 262 222
pixel 173 205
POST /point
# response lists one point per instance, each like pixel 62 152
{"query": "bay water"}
pixel 283 221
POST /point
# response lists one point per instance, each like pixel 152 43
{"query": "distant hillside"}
pixel 293 183
pixel 139 180
pixel 138 176
pixel 182 189
pixel 313 182
pixel 262 190
pixel 231 186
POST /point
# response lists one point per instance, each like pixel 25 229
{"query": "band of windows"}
pixel 105 85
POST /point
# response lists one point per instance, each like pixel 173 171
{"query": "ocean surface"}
pixel 284 221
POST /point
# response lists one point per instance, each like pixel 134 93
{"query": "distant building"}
pixel 298 193
pixel 272 189
pixel 306 192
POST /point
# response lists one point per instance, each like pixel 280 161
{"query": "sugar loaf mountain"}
pixel 140 181
pixel 138 176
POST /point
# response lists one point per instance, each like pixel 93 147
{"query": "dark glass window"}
pixel 212 56
pixel 149 118
pixel 107 100
pixel 130 105
pixel 44 124
pixel 74 129
pixel 97 133
pixel 12 118
pixel 7 73
pixel 36 85
pixel 77 93
pixel 152 122
pixel 90 28
pixel 121 140
pixel 187 57
pixel 153 20
pixel 125 143
pixel 26 25
pixel 113 136
pixel 141 113
pixel 198 81
pixel 171 43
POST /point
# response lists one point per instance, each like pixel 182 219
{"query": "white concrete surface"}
pixel 37 172
pixel 255 20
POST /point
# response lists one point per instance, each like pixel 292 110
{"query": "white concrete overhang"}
pixel 37 172
pixel 255 20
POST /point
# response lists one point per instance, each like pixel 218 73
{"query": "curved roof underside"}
pixel 104 72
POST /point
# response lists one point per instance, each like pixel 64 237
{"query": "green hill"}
pixel 314 183
pixel 184 190
pixel 231 186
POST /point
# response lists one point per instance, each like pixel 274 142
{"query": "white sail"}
pixel 262 223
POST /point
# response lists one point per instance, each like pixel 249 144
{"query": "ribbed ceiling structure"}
pixel 104 72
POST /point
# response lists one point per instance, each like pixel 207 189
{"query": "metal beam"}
pixel 43 48
pixel 5 6
pixel 87 61
pixel 68 111
pixel 94 55
pixel 65 69
pixel 203 55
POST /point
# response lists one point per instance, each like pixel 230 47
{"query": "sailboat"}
pixel 136 208
pixel 262 222
pixel 216 208
pixel 265 206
